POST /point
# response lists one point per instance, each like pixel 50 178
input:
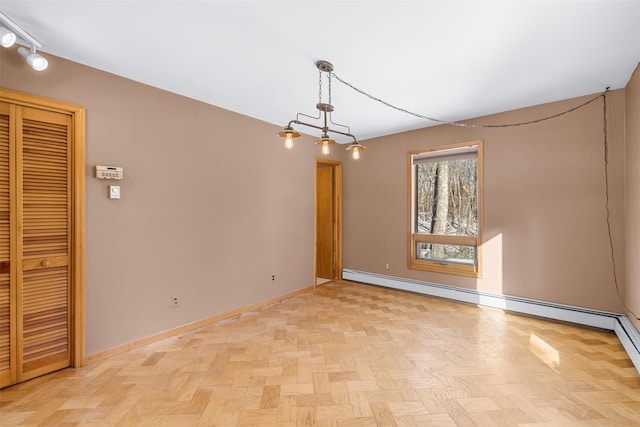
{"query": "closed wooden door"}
pixel 7 290
pixel 43 207
pixel 35 242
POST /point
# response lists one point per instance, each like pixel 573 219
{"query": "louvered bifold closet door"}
pixel 7 287
pixel 43 139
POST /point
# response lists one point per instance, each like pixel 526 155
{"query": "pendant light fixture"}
pixel 324 115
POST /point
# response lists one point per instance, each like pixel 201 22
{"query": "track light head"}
pixel 35 60
pixel 7 37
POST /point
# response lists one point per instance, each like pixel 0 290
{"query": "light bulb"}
pixel 288 141
pixel 325 148
pixel 8 38
pixel 38 62
pixel 355 153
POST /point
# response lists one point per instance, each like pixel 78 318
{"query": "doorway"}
pixel 328 265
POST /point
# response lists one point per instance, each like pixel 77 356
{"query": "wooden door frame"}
pixel 337 215
pixel 77 171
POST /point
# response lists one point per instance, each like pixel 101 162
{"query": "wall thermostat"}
pixel 114 191
pixel 109 172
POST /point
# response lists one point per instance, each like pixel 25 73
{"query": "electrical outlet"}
pixel 175 301
pixel 386 266
pixel 273 278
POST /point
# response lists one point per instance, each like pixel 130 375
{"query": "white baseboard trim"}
pixel 630 339
pixel 619 323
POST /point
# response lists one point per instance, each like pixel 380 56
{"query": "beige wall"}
pixel 236 207
pixel 545 231
pixel 212 204
pixel 632 192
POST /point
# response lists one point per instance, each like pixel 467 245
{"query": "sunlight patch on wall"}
pixel 491 266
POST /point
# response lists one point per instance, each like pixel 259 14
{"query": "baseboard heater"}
pixel 619 323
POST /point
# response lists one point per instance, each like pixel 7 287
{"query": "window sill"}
pixel 446 268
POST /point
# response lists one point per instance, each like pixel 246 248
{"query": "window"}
pixel 445 226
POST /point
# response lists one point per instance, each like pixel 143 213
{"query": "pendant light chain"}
pixel 608 211
pixel 469 125
pixel 602 95
pixel 319 86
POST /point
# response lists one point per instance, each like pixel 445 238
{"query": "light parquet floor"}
pixel 349 355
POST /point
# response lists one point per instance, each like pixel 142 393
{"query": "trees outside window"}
pixel 446 209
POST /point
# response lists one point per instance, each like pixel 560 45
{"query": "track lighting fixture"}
pixel 7 37
pixel 12 33
pixel 325 109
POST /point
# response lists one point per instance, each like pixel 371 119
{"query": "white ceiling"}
pixel 450 60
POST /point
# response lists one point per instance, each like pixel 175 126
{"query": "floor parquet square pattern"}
pixel 349 355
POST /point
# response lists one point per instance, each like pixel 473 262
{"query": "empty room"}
pixel 319 213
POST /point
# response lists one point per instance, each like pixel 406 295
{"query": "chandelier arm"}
pixel 298 122
pixel 342 133
pixel 308 116
pixel 338 124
